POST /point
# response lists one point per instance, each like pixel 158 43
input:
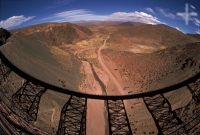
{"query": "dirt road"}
pixel 96 118
pixel 106 69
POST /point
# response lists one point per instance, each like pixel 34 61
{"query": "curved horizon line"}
pixel 94 96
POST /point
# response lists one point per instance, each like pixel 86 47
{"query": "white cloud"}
pixel 85 15
pixel 178 28
pixel 14 21
pixel 134 17
pixel 72 13
pixel 198 32
pixel 166 13
pixel 193 7
pixel 196 22
pixel 150 10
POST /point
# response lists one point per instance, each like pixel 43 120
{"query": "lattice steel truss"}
pixel 195 90
pixel 26 100
pixel 4 72
pixel 73 117
pixel 118 119
pixel 187 128
pixel 191 111
pixel 161 111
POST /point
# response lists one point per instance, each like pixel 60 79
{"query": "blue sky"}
pixel 20 13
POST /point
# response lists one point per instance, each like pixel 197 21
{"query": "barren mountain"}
pixel 56 33
pixel 148 36
pixel 36 46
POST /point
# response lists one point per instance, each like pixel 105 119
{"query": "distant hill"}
pixel 97 23
pixel 56 33
pixel 130 24
pixel 147 34
pixel 32 49
pixel 197 36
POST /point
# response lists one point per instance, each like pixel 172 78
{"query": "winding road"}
pixel 106 69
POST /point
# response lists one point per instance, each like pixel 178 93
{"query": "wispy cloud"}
pixel 166 13
pixel 179 29
pixel 193 7
pixel 74 15
pixel 198 32
pixel 150 10
pixel 86 15
pixel 134 17
pixel 196 21
pixel 14 21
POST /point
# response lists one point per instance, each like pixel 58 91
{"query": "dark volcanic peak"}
pixel 4 35
pixel 56 33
